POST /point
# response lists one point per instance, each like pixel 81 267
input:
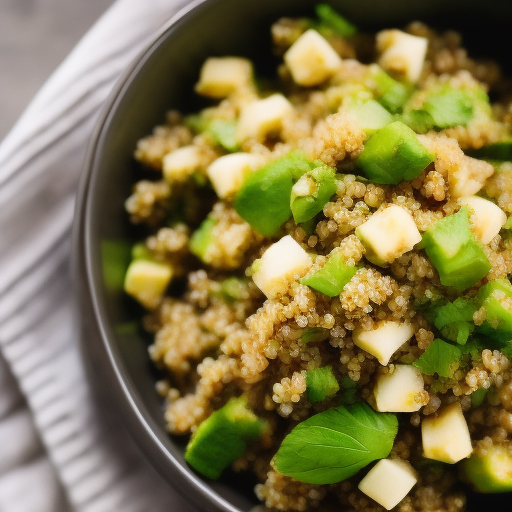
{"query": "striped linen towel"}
pixel 58 452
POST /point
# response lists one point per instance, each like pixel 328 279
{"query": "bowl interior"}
pixel 163 78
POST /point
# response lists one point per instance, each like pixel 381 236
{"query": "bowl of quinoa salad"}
pixel 298 290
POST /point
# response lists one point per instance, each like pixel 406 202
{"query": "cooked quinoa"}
pixel 222 328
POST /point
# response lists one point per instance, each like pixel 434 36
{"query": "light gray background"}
pixel 35 36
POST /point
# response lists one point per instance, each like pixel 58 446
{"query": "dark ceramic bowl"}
pixel 162 78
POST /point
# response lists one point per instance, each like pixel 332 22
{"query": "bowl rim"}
pixel 182 479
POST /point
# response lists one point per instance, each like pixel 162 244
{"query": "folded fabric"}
pixel 59 451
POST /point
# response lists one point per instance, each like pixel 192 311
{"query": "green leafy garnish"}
pixel 441 358
pixel 332 20
pixel 335 444
pixel 455 319
pixel 312 334
pixel 321 384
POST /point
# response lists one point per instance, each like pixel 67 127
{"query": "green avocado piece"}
pixel 201 238
pixel 496 298
pixel 223 437
pixel 264 198
pixel 394 154
pixel 455 253
pixel 332 277
pixel 321 384
pixel 491 472
pixel 370 115
pixel 390 93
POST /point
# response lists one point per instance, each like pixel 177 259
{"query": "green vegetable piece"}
pixel 321 384
pixel 335 444
pixel 348 393
pixel 370 115
pixel 223 437
pixel 223 132
pixel 478 397
pixel 455 319
pixel 332 277
pixel 496 298
pixel 264 198
pixel 389 92
pixel 491 472
pixel 333 20
pixel 501 151
pixel 440 357
pixel 393 154
pixel 313 334
pixel 312 192
pixel 115 259
pixel 234 288
pixel 140 251
pixel 201 238
pixel 454 251
pixel 196 122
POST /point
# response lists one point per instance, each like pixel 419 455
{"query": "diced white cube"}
pixel 221 76
pixel 228 172
pixel 181 163
pixel 146 281
pixel 487 218
pixel 399 391
pixel 389 482
pixel 311 59
pixel 446 436
pixel 388 234
pixel 469 176
pixel 280 264
pixel 402 53
pixel 263 117
pixel 383 341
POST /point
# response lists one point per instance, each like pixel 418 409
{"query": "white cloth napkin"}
pixel 57 452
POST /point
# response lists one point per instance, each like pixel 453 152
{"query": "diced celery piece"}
pixel 332 277
pixel 313 334
pixel 334 21
pixel 389 92
pixel 312 192
pixel 264 198
pixel 454 251
pixel 501 151
pixel 370 115
pixel 223 437
pixel 496 298
pixel 394 154
pixel 321 384
pixel 202 238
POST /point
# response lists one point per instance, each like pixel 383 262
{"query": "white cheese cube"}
pixel 280 264
pixel 383 341
pixel 228 172
pixel 263 117
pixel 220 77
pixel 487 218
pixel 400 391
pixel 469 176
pixel 311 59
pixel 146 281
pixel 446 436
pixel 181 163
pixel 389 482
pixel 388 234
pixel 402 53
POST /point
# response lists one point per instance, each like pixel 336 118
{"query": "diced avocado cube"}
pixel 264 198
pixel 146 281
pixel 370 116
pixel 496 298
pixel 223 437
pixel 445 436
pixel 201 238
pixel 453 250
pixel 321 384
pixel 234 288
pixel 115 258
pixel 312 192
pixel 394 154
pixel 223 131
pixel 389 92
pixel 332 277
pixel 478 397
pixel 491 472
pixel 140 251
pixel 313 334
pixel 454 319
pixel 331 19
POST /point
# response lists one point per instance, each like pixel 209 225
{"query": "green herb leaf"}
pixel 335 21
pixel 455 319
pixel 312 334
pixel 321 384
pixel 440 357
pixel 335 444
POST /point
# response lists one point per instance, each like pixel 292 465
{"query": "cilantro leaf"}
pixel 335 444
pixel 441 358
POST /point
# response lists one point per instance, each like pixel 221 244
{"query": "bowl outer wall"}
pixel 149 87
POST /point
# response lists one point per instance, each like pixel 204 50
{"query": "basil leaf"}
pixel 440 357
pixel 335 444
